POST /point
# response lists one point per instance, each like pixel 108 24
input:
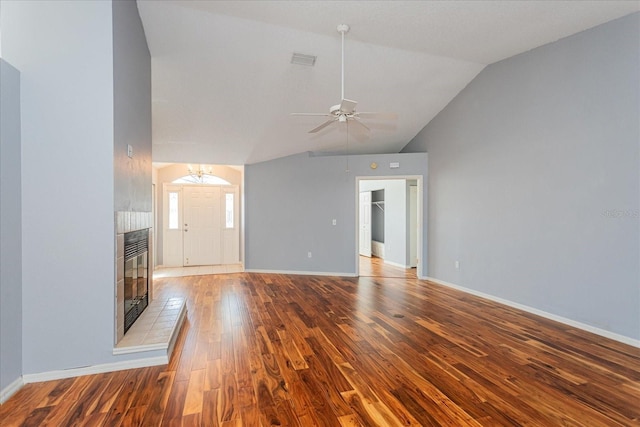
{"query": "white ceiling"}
pixel 223 84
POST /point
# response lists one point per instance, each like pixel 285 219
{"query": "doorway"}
pixel 201 225
pixel 389 226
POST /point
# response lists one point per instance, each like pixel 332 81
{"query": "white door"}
pixel 202 243
pixel 365 223
pixel 413 226
pixel 172 226
pixel 230 205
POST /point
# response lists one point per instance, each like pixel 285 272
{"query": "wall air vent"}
pixel 302 59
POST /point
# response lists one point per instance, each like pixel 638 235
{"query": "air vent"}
pixel 302 59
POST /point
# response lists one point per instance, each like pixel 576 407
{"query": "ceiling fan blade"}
pixel 348 106
pixel 310 114
pixel 322 126
pixel 372 115
pixel 358 122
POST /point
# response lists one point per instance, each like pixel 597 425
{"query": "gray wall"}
pixel 290 203
pixel 377 217
pixel 132 109
pixel 534 183
pixel 10 227
pixel 64 51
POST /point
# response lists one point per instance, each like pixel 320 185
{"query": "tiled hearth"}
pixel 156 329
pixel 160 322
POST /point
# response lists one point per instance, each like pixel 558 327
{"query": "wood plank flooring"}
pixel 375 267
pixel 276 350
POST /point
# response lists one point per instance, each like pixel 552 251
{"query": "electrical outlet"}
pixel 457 264
pixel 308 254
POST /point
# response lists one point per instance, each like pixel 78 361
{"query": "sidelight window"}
pixel 229 209
pixel 174 219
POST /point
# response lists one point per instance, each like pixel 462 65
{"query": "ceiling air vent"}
pixel 302 59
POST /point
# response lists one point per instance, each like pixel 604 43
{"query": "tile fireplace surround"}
pixel 125 223
pixel 159 324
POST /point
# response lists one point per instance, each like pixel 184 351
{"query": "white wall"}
pixel 10 228
pixel 534 180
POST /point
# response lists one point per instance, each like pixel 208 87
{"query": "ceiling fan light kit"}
pixel 346 110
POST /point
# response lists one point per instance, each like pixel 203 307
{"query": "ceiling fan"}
pixel 345 111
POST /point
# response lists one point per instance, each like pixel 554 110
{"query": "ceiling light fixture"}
pixel 302 59
pixel 200 174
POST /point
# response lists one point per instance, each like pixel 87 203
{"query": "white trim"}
pixel 602 332
pixel 301 273
pixel 95 369
pixel 377 249
pixel 140 348
pixel 10 390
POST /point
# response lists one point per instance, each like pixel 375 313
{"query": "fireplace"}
pixel 136 275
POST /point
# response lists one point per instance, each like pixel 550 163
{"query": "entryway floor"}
pixel 198 270
pixel 376 267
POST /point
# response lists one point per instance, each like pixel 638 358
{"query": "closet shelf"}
pixel 379 204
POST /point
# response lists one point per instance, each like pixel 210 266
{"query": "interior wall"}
pixel 534 180
pixel 395 217
pixel 10 228
pixel 291 202
pixel 168 174
pixel 132 110
pixel 377 216
pixel 64 52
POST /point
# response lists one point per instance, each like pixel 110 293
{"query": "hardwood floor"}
pixel 268 350
pixel 375 267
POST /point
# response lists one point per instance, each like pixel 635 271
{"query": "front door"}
pixel 202 226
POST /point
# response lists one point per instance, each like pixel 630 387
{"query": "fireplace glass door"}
pixel 136 273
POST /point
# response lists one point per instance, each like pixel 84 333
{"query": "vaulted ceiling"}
pixel 224 85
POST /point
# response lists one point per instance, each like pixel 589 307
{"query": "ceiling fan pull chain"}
pixel 347 171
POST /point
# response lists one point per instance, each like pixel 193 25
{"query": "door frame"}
pixel 420 217
pixel 368 211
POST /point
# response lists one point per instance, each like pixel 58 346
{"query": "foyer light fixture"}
pixel 200 174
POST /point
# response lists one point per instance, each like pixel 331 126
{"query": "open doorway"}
pixel 389 226
pixel 199 217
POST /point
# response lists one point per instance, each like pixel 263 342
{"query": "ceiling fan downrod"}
pixel 343 29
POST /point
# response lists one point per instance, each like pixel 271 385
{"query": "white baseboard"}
pixel 602 332
pixel 377 249
pixel 302 273
pixel 95 369
pixel 10 390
